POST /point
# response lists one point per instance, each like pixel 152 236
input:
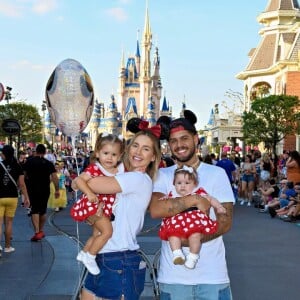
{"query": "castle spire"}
pixel 147 28
pixel 145 66
pixel 122 64
pixel 137 53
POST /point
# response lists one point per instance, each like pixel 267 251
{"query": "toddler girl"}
pixel 104 162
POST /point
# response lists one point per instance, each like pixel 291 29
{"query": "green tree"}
pixel 271 119
pixel 28 117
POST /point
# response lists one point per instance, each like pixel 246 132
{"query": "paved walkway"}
pixel 262 256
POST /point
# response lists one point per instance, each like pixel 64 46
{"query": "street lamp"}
pixel 52 132
pixel 8 94
pixel 44 108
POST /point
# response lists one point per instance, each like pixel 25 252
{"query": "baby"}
pixel 191 224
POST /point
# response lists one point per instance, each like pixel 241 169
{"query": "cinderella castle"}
pixel 139 91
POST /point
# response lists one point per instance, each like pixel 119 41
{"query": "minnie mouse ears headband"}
pixel 135 125
pixel 185 123
pixel 165 125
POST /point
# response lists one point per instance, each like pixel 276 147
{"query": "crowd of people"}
pixel 268 182
pixel 120 180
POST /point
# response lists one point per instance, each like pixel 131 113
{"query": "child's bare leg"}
pixel 89 242
pixel 104 226
pixel 94 244
pixel 195 243
pixel 195 246
pixel 175 242
pixel 178 256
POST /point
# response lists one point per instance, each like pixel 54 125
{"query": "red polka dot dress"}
pixel 186 223
pixel 83 208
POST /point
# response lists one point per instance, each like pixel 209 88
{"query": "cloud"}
pixel 117 13
pixel 19 8
pixel 44 6
pixel 9 9
pixel 26 64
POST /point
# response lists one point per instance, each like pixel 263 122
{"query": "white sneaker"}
pixel 8 250
pixel 178 257
pixel 249 203
pixel 191 261
pixel 80 255
pixel 90 263
pixel 242 202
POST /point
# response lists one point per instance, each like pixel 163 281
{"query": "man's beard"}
pixel 187 158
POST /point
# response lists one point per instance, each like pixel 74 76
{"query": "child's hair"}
pixel 104 139
pixel 187 171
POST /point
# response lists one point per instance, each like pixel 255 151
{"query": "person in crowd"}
pixel 214 158
pixel 38 173
pixel 87 159
pixel 51 156
pixel 286 193
pixel 291 213
pixel 21 161
pixel 207 159
pixel 228 165
pixel 236 158
pixel 282 164
pixel 256 159
pixel 177 228
pixel 275 201
pixel 266 167
pixel 293 167
pixel 21 157
pixel 30 152
pixel 248 171
pixel 133 188
pixel 286 212
pixel 268 194
pixel 58 203
pixel 105 162
pixel 70 191
pixel 11 180
pixel 177 282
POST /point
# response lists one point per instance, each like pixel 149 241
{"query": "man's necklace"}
pixel 194 165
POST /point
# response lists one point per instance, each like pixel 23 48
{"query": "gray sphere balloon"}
pixel 70 97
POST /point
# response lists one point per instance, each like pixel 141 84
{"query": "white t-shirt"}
pixel 211 267
pixel 130 211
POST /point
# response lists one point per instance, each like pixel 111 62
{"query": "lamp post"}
pixel 44 108
pixel 52 131
pixel 8 94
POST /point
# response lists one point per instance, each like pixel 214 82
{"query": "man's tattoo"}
pixel 176 206
pixel 224 223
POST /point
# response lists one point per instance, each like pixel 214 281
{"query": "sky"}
pixel 202 45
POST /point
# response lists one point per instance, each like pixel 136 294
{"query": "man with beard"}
pixel 209 280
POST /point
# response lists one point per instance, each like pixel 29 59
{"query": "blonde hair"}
pixel 153 165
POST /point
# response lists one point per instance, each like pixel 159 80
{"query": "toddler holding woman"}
pixel 104 162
